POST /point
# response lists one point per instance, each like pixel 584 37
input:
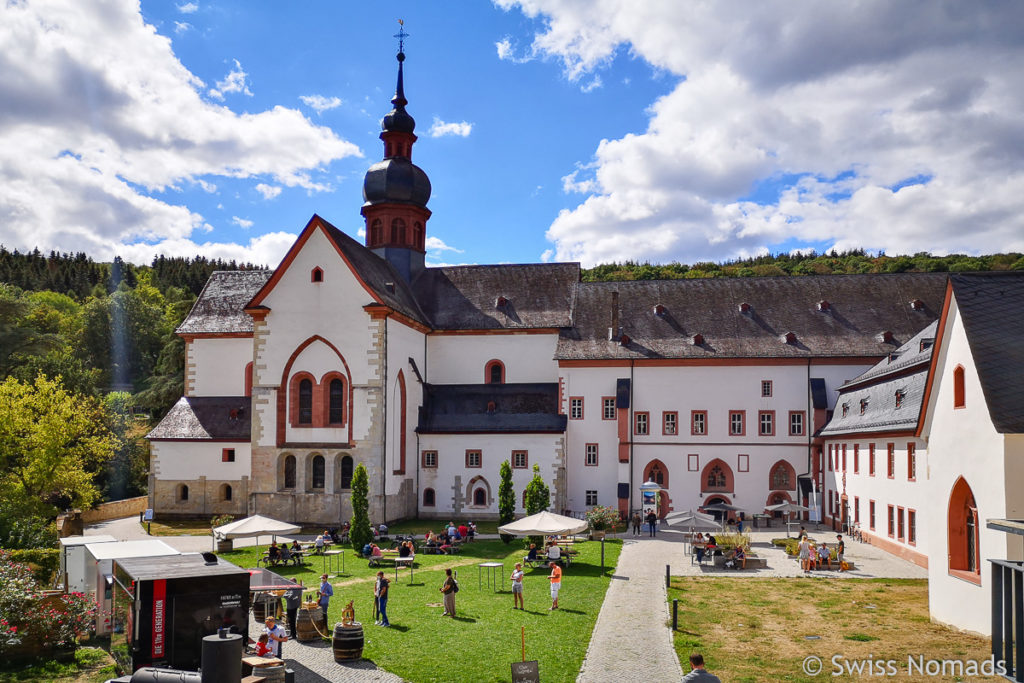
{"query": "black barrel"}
pixel 222 658
pixel 348 642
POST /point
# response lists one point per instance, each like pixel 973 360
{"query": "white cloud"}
pixel 442 128
pixel 182 26
pixel 242 222
pixel 436 244
pixel 593 84
pixel 232 83
pixel 320 103
pixel 188 8
pixel 268 191
pixel 209 188
pixel 86 135
pixel 266 250
pixel 825 108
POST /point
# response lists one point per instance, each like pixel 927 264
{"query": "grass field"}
pixel 756 630
pixel 485 638
pixel 90 665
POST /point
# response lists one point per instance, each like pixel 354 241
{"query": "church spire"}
pixel 395 190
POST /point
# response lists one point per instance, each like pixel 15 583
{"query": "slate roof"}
pixel 905 370
pixel 464 297
pixel 518 408
pixel 860 308
pixel 220 305
pixel 992 308
pixel 206 418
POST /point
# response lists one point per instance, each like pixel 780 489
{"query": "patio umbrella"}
pixel 544 524
pixel 722 507
pixel 788 508
pixel 700 522
pixel 257 525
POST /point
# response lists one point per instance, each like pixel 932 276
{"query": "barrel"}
pixel 307 622
pixel 270 674
pixel 348 642
pixel 266 606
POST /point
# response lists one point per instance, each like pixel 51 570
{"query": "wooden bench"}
pixel 752 562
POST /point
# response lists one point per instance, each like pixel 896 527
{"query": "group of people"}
pixel 554 579
pixel 637 521
pixel 284 553
pixel 813 556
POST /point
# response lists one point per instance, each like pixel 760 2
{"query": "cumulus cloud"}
pixel 442 128
pixel 242 222
pixel 875 125
pixel 234 82
pixel 266 250
pixel 437 244
pixel 188 8
pixel 87 136
pixel 181 26
pixel 268 191
pixel 320 103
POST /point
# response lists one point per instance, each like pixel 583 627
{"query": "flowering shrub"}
pixel 601 517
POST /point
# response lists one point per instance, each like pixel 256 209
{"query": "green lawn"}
pixel 484 639
pixel 90 665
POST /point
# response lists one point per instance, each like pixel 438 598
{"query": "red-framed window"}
pixel 856 510
pixel 900 528
pixel 575 407
pixel 494 372
pixel 766 423
pixel 911 462
pixel 641 424
pixel 796 423
pixel 607 407
pixel 766 388
pixel 892 521
pixel 699 422
pixel 737 423
pixel 871 460
pixel 890 458
pixel 844 457
pixel 912 526
pixel 316 275
pixel 429 459
pixel 227 455
pixel 871 515
pixel 474 458
pixel 829 457
pixel 590 455
pixel 959 388
pixel 670 423
pixel 856 458
pixel 520 460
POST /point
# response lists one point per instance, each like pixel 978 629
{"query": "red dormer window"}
pixel 316 275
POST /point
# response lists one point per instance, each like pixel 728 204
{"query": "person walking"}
pixel 380 592
pixel 517 587
pixel 805 554
pixel 652 522
pixel 324 594
pixel 556 584
pixel 699 674
pixel 840 551
pixel 448 589
pixel 275 636
pixel 637 523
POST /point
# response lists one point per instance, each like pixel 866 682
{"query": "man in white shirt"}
pixel 554 552
pixel 275 636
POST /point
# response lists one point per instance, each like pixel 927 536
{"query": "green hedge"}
pixel 44 562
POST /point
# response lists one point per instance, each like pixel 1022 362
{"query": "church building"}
pixel 351 353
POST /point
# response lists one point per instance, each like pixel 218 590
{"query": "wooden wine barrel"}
pixel 307 622
pixel 266 606
pixel 270 674
pixel 348 642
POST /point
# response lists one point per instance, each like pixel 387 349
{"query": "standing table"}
pixel 490 567
pixel 329 556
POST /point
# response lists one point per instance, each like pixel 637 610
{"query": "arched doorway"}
pixel 962 530
pixel 657 472
pixel 777 498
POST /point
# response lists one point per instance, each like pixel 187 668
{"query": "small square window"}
pixel 591 455
pixel 576 408
pixel 640 421
pixel 520 460
pixel 474 459
pixel 670 423
pixel 429 459
pixel 227 455
pixel 591 497
pixel 766 388
pixel 699 422
pixel 608 408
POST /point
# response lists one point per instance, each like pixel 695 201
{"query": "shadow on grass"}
pixel 400 629
pixel 466 619
pixel 570 611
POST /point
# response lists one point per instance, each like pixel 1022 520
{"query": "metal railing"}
pixel 1008 616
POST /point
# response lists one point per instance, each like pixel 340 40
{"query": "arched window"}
pixel 336 402
pixel 494 372
pixel 346 471
pixel 400 424
pixel 398 231
pixel 428 498
pixel 480 497
pixel 316 275
pixel 225 493
pixel 376 228
pixel 417 235
pixel 183 493
pixel 656 475
pixel 318 472
pixel 959 397
pixel 289 471
pixel 962 527
pixel 716 478
pixel 306 402
pixel 782 476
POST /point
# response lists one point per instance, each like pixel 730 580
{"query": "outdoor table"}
pixel 407 561
pixel 329 556
pixel 490 567
pixel 253 662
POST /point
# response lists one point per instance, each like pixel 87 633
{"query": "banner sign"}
pixel 159 617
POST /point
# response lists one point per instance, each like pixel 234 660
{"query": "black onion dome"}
pixel 398 181
pixel 398 120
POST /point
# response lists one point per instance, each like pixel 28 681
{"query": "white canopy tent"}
pixel 544 524
pixel 257 525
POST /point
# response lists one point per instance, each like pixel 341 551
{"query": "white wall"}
pixel 189 460
pixel 220 365
pixel 403 343
pixel 461 359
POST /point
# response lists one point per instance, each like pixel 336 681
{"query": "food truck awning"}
pixel 124 549
pixel 266 580
pixel 82 540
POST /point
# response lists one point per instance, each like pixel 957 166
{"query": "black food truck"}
pixel 164 606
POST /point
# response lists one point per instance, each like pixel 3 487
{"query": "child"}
pixel 262 649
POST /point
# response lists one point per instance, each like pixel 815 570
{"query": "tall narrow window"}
pixel 911 462
pixel 766 388
pixel 480 497
pixel 318 471
pixel 699 422
pixel 316 275
pixel 398 231
pixel 856 510
pixel 376 230
pixel 336 398
pixel 796 424
pixel 428 498
pixel 912 527
pixel 959 391
pixel 346 472
pixel 871 515
pixel 962 529
pixel 591 455
pixel 183 493
pixel 890 460
pixel 494 372
pixel 871 460
pixel 306 402
pixel 737 423
pixel 640 424
pixel 289 471
pixel 856 458
pixel 766 422
pixel 226 493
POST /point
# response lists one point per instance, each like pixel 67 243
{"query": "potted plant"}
pixel 225 544
pixel 601 519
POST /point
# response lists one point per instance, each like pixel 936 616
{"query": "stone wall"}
pixel 205 497
pixel 129 507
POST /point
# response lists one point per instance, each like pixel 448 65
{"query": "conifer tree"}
pixel 538 495
pixel 506 499
pixel 360 534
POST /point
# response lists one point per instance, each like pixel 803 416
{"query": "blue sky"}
pixel 550 129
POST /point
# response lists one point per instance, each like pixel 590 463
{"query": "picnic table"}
pixel 295 558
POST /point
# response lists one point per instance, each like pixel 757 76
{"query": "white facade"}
pixel 223 363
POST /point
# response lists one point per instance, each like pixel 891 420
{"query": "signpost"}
pixel 524 671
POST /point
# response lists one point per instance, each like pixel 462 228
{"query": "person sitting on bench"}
pixel 286 554
pixel 531 557
pixel 737 558
pixel 273 553
pixel 554 552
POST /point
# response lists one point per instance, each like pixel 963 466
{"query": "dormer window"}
pixel 624 340
pixel 788 338
pixel 698 340
pixel 863 405
pixel 846 409
pixel 745 307
pixel 500 302
pixel 917 305
pixel 660 310
pixel 900 395
pixel 824 306
pixel 926 344
pixel 316 275
pixel 885 337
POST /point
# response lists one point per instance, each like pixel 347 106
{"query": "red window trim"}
pixel 693 414
pixel 901 512
pixel 665 413
pixel 771 388
pixel 856 509
pixel 597 455
pixel 959 388
pixel 743 422
pixel 871 514
pixel 891 521
pixel 293 400
pixel 474 450
pixel 604 399
pixel 856 458
pixel 844 458
pixel 313 275
pixel 803 422
pixel 248 378
pixel 911 511
pixel 871 459
pixel 224 454
pixel 526 460
pixel 890 460
pixel 636 422
pixel 762 413
pixel 582 413
pixel 911 462
pixel 423 460
pixel 487 371
pixel 325 400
